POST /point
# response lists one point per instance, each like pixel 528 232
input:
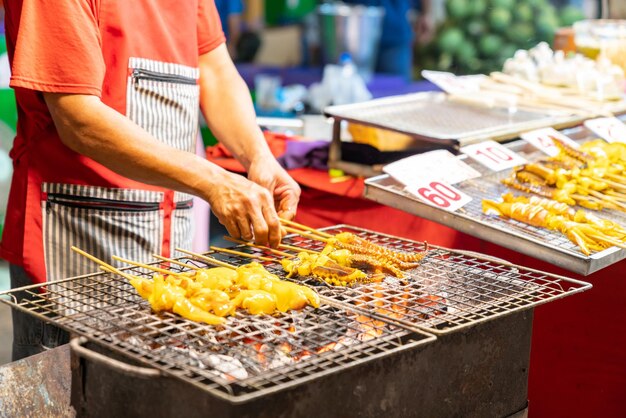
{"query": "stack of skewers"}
pixel 210 294
pixel 593 177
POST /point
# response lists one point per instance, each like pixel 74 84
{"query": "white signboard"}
pixel 493 155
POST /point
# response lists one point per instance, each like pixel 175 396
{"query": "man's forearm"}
pixel 91 128
pixel 227 107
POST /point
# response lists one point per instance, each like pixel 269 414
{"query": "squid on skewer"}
pixel 209 294
pixel 585 231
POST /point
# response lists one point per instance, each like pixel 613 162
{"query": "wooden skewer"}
pixel 306 228
pixel 240 253
pixel 262 247
pixel 180 263
pixel 298 249
pixel 106 266
pixel 305 234
pixel 147 266
pixel 209 260
pixel 116 271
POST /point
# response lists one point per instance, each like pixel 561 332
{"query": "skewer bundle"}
pixel 584 229
pixel 210 294
pixel 593 176
pixel 345 260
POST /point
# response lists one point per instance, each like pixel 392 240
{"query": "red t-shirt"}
pixel 83 46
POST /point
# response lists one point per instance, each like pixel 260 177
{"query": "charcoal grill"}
pixel 450 290
pixel 368 350
pixel 249 357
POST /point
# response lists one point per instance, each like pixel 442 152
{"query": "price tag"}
pixel 609 129
pixel 493 155
pixel 542 139
pixel 439 194
pixel 434 165
pixel 453 84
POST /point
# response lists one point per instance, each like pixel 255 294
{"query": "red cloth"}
pixel 69 46
pixel 221 156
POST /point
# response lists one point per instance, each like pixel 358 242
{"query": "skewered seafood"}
pixel 352 251
pixel 585 230
pixel 358 245
pixel 207 295
pixel 364 262
pixel 592 177
pixel 322 267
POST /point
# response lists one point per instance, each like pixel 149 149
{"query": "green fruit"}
pixel 523 13
pixel 507 51
pixel 477 8
pixel 570 15
pixel 489 45
pixel 521 34
pixel 504 4
pixel 547 25
pixel 499 19
pixel 535 3
pixel 476 28
pixel 449 40
pixel 457 9
pixel 466 53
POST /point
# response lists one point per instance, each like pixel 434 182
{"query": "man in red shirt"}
pixel 108 94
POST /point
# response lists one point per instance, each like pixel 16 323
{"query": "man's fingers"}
pixel 274 233
pixel 244 227
pixel 232 228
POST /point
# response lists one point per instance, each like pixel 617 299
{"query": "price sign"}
pixel 543 140
pixel 439 194
pixel 434 165
pixel 609 129
pixel 493 155
pixel 453 84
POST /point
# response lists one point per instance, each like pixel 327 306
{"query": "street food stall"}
pixel 442 322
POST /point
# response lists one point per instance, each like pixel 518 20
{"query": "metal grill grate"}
pixel 449 291
pixel 246 358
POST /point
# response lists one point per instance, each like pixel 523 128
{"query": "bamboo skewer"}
pixel 306 228
pixel 305 234
pixel 262 247
pixel 106 266
pixel 240 253
pixel 113 270
pixel 300 250
pixel 147 266
pixel 209 260
pixel 180 263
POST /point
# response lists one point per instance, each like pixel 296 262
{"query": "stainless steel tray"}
pixel 432 117
pixel 539 243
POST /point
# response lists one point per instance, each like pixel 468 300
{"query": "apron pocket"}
pixel 163 98
pixel 101 221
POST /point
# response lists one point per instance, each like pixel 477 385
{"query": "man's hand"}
pixel 285 191
pixel 246 210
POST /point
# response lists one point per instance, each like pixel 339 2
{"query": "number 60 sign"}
pixel 439 194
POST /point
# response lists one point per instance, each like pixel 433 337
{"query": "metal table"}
pixel 539 243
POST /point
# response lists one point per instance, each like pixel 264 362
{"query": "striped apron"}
pixel 163 99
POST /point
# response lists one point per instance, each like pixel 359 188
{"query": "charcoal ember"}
pixel 226 367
